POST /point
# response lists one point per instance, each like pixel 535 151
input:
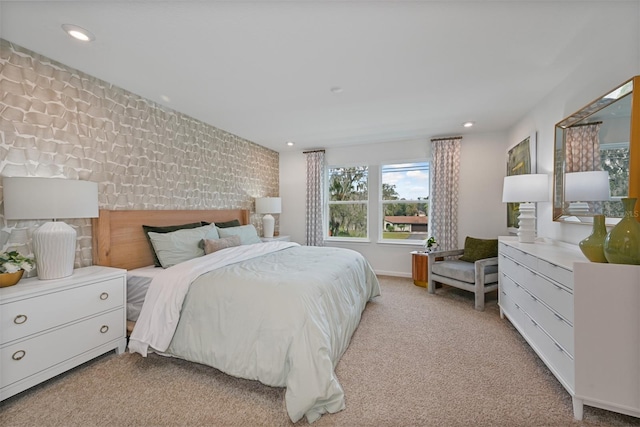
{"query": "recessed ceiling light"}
pixel 290 143
pixel 468 124
pixel 78 33
pixel 165 98
pixel 336 89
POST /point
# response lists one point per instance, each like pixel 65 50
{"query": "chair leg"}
pixel 479 293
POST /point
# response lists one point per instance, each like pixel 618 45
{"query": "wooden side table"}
pixel 419 264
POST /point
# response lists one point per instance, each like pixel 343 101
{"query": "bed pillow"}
pixel 182 245
pixel 247 233
pixel 214 245
pixel 165 229
pixel 476 249
pixel 227 224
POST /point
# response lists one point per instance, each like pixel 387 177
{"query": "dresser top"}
pixel 559 253
pixel 80 276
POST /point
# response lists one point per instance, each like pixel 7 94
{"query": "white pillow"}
pixel 248 233
pixel 181 245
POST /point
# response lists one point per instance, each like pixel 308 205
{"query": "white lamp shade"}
pixel 590 186
pixel 526 188
pixel 268 205
pixel 54 243
pixel 49 198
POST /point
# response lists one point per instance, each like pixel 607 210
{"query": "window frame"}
pixel 366 202
pixel 382 203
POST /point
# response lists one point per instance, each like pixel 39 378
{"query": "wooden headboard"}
pixel 119 241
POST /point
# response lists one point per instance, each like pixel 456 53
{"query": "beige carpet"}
pixel 415 360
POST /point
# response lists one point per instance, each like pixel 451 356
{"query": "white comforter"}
pixel 276 312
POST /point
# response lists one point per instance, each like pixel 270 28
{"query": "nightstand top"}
pixel 80 276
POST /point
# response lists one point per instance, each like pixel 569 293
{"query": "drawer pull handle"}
pixel 503 293
pixel 104 329
pixel 533 298
pixel 104 296
pixel 19 355
pixel 558 317
pixel 534 322
pixel 20 319
pixel 558 347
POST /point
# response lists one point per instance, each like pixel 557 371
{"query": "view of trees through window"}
pixel 405 201
pixel 348 200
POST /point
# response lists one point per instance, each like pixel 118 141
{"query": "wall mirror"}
pixel 603 136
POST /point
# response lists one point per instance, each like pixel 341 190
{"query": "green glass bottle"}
pixel 593 246
pixel 622 244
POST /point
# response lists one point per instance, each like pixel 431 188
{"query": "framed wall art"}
pixel 521 159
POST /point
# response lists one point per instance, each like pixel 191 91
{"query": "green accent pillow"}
pixel 181 245
pixel 248 233
pixel 475 249
pixel 165 229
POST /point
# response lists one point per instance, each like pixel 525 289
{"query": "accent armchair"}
pixel 479 277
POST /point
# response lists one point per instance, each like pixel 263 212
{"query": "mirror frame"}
pixel 559 213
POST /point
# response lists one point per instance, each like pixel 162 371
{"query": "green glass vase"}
pixel 593 246
pixel 622 244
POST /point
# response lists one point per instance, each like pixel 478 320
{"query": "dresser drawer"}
pixel 514 270
pixel 43 351
pixel 519 256
pixel 557 273
pixel 511 310
pixel 555 296
pixel 22 318
pixel 513 290
pixel 559 329
pixel 555 357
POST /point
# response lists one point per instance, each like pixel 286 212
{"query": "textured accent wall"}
pixel 56 121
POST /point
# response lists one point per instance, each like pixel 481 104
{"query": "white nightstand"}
pixel 50 326
pixel 276 239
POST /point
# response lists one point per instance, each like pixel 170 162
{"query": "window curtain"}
pixel 315 195
pixel 443 196
pixel 583 148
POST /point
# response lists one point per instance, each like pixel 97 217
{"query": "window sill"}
pixel 346 240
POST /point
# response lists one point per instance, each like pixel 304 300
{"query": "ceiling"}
pixel 264 70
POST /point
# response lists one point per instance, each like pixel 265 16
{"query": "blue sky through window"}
pixel 411 179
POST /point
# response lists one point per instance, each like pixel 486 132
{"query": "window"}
pixel 405 201
pixel 348 198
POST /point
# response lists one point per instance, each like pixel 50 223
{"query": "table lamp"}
pixel 526 189
pixel 54 242
pixel 268 206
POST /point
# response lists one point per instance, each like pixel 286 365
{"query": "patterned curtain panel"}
pixel 583 148
pixel 443 198
pixel 315 195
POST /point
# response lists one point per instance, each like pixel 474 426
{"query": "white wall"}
pixel 480 211
pixel 608 68
pixel 483 157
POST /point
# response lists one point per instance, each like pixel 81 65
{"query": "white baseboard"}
pixel 392 273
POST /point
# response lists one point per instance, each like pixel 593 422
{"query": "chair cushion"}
pixel 475 249
pixel 464 271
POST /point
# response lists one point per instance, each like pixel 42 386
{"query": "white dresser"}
pixel 555 310
pixel 50 326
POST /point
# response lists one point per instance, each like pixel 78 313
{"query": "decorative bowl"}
pixel 10 279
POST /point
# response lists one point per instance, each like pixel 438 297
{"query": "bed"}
pixel 276 312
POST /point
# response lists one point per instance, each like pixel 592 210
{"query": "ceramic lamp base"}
pixel 527 223
pixel 54 248
pixel 268 225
